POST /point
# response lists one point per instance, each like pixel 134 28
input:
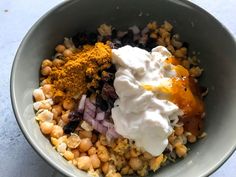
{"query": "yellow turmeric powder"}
pixel 80 71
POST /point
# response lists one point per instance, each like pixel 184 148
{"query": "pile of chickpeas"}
pixel 90 151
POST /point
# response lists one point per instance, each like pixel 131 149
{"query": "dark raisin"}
pixel 140 45
pixel 107 77
pixel 108 92
pixel 70 127
pixel 106 38
pixel 128 39
pixel 111 69
pixel 92 38
pixel 80 39
pixel 151 43
pixel 185 44
pixel 88 79
pixel 101 103
pixel 74 119
pixel 113 34
pixel 74 115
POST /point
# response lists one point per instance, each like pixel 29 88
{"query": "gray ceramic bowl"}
pixel 204 33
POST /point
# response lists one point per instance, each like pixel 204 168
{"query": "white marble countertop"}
pixel 17 158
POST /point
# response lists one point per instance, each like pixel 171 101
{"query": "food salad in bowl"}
pixel 125 91
pixel 118 102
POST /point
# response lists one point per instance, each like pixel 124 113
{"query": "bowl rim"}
pixel 36 148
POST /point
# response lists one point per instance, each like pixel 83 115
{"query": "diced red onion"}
pixel 99 127
pixel 107 124
pixel 89 108
pixel 82 104
pixel 100 116
pixel 88 118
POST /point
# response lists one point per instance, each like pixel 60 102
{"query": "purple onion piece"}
pixel 89 108
pixel 99 127
pixel 82 104
pixel 107 124
pixel 100 116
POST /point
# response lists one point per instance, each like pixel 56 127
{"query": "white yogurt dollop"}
pixel 139 114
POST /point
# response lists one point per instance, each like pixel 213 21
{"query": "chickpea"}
pixel 54 141
pixel 46 71
pixel 85 134
pixel 45 115
pixel 68 104
pixel 179 131
pixel 45 106
pixel 186 64
pixel 57 131
pixel 95 161
pixel 61 123
pixel 135 163
pixel 45 81
pixel 73 141
pixel 46 62
pixel 38 95
pixel 103 153
pixel 134 152
pixel 61 148
pixel 125 170
pixel 84 163
pixel 85 145
pixel 69 155
pixel 171 48
pixel 156 162
pixel 92 151
pixel 60 48
pixel 105 167
pixel 172 138
pixel 192 138
pixel 46 127
pixel 127 155
pixel 74 162
pixel 56 110
pixel 181 150
pixel 57 62
pixel 65 117
pixel 116 175
pixel 147 155
pixel 67 53
pixel 48 90
pixel 75 152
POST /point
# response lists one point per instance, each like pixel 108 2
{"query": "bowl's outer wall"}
pixel 204 34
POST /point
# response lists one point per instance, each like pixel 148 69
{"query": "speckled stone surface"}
pixel 17 158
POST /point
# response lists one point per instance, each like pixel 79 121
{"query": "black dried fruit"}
pixel 109 93
pixel 92 38
pixel 70 127
pixel 101 103
pixel 80 39
pixel 128 39
pixel 151 43
pixel 113 34
pixel 74 120
pixel 185 44
pixel 107 77
pixel 111 69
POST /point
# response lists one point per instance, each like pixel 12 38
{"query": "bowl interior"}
pixel 207 36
